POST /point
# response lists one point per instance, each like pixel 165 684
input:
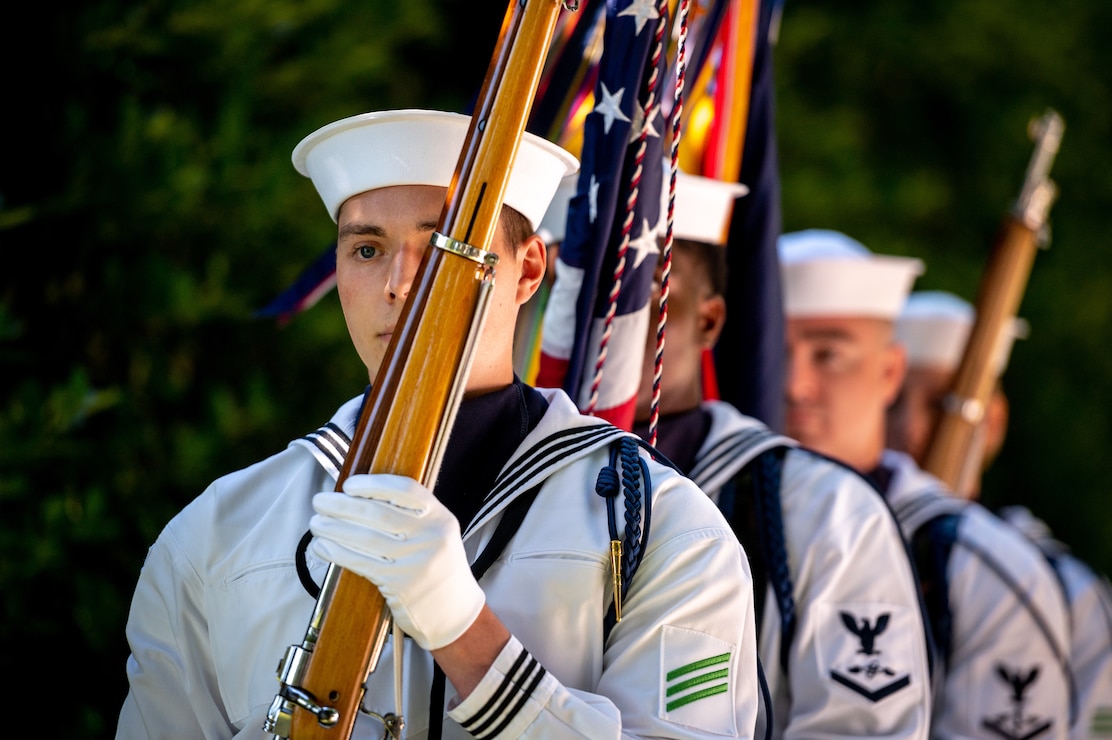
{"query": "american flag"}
pixel 596 321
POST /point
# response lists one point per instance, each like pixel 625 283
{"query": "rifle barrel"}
pixel 998 297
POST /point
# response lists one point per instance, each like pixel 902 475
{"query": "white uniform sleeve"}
pixel 518 698
pixel 169 685
pixel 857 664
pixel 680 664
pixel 1090 646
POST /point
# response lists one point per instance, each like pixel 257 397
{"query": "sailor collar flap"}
pixel 562 437
pixel 732 442
pixel 915 495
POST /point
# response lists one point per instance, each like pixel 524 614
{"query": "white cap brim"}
pixel 554 225
pixel 826 273
pixel 703 207
pixel 419 147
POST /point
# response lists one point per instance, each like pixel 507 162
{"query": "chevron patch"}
pixel 1017 721
pixel 1102 723
pixel 868 650
pixel 697 680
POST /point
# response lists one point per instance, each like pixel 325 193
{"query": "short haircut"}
pixel 516 227
pixel 711 259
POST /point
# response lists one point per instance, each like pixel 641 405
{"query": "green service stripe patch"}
pixel 1102 723
pixel 710 691
pixel 683 685
pixel 681 691
pixel 698 665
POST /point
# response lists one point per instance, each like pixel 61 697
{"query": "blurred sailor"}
pixel 998 619
pixel 934 327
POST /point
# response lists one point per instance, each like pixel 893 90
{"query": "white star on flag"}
pixel 641 11
pixel 610 107
pixel 645 244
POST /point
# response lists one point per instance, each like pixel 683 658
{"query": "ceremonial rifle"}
pixel 407 417
pixel 951 451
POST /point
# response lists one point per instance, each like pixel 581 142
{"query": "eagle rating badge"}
pixel 868 648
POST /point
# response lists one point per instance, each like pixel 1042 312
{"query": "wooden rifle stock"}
pixel 951 449
pixel 409 413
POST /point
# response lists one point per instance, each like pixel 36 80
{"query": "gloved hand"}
pixel 395 533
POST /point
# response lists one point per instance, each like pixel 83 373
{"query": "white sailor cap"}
pixel 554 225
pixel 826 273
pixel 703 207
pixel 934 327
pixel 419 147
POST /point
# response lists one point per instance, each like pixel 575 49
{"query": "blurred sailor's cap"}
pixel 554 225
pixel 826 273
pixel 703 207
pixel 934 327
pixel 419 147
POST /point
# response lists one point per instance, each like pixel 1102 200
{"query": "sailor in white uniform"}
pixel 997 616
pixel 934 327
pixel 1089 595
pixel 841 633
pixel 501 580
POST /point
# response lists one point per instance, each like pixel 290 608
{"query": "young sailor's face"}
pixel 382 238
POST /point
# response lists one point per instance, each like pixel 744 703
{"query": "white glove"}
pixel 395 533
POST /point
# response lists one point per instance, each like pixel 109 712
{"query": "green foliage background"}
pixel 148 207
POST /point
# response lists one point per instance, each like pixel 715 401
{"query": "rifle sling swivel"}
pixel 969 410
pixel 448 244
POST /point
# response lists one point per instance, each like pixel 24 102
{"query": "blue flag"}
pixel 749 357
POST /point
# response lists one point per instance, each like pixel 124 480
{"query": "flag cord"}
pixel 673 165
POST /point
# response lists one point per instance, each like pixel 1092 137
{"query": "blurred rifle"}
pixel 952 454
pixel 409 413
